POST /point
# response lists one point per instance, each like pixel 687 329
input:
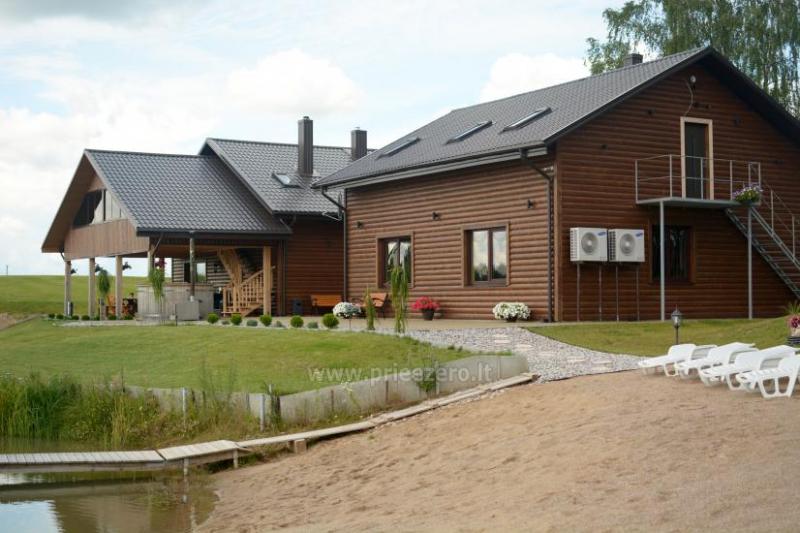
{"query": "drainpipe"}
pixel 343 215
pixel 523 153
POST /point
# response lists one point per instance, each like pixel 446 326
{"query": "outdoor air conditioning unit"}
pixel 588 244
pixel 626 245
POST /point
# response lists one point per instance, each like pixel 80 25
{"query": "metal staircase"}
pixel 774 235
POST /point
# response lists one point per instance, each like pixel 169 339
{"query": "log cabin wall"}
pixel 482 198
pixel 314 260
pixel 595 188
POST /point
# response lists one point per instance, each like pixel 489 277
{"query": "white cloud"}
pixel 293 82
pixel 519 73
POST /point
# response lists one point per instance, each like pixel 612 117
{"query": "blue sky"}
pixel 162 76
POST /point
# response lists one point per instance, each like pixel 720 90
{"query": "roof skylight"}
pixel 474 129
pixel 402 146
pixel 284 179
pixel 524 121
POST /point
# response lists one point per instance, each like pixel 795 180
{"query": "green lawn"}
pixel 653 338
pixel 169 356
pixel 24 295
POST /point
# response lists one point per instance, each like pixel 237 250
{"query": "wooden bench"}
pixel 324 300
pixel 379 300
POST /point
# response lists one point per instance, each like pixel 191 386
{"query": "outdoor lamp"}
pixel 677 320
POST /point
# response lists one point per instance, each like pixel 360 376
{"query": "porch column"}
pixel 266 264
pixel 150 260
pixel 192 268
pixel 67 285
pixel 750 263
pixel 118 288
pixel 661 260
pixel 92 287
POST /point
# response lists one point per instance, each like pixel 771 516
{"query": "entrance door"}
pixel 696 164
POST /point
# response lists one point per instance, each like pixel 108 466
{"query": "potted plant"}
pixel 748 195
pixel 427 306
pixel 346 310
pixel 511 311
pixel 793 321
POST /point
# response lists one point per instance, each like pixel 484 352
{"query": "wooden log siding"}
pixel 465 200
pixel 115 237
pixel 595 187
pixel 314 260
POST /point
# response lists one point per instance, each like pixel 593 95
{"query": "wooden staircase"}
pixel 244 293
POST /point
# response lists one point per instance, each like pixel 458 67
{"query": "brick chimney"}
pixel 358 144
pixel 632 59
pixel 305 146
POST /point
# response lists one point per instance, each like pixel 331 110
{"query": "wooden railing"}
pixel 244 297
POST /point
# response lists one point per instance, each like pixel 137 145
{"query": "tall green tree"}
pixel 760 37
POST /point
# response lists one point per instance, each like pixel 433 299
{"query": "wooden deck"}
pixel 221 450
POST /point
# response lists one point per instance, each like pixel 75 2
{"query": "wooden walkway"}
pixel 222 450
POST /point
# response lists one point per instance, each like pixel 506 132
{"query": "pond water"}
pixel 107 502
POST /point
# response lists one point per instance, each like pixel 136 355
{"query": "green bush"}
pixel 296 321
pixel 252 323
pixel 59 316
pixel 312 325
pixel 225 322
pixel 127 316
pixel 212 318
pixel 278 324
pixel 266 319
pixel 51 315
pixel 236 319
pixel 74 317
pixel 85 317
pixel 112 317
pixel 330 321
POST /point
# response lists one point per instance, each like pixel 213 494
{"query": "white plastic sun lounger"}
pixel 745 362
pixel 788 367
pixel 676 354
pixel 719 355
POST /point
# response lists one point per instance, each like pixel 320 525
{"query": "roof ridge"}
pixel 272 143
pixel 157 154
pixel 687 53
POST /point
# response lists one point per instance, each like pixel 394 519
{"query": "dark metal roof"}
pixel 182 193
pixel 571 104
pixel 256 162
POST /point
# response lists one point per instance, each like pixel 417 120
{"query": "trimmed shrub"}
pixel 296 321
pixel 330 321
pixel 74 317
pixel 252 323
pixel 236 319
pixel 127 316
pixel 112 317
pixel 266 319
pixel 59 316
pixel 278 324
pixel 212 318
pixel 51 315
pixel 225 322
pixel 312 325
pixel 85 317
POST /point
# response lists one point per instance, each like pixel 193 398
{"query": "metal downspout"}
pixel 550 239
pixel 343 214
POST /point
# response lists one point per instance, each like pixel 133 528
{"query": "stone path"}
pixel 549 358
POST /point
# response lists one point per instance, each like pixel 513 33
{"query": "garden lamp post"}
pixel 677 320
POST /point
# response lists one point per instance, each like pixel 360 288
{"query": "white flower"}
pixel 510 310
pixel 346 310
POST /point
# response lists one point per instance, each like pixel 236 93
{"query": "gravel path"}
pixel 549 358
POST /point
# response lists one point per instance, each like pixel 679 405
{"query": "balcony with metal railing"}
pixel 688 181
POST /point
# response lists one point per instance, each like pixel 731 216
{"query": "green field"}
pixel 653 338
pixel 25 295
pixel 169 356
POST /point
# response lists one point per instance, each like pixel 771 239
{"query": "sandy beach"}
pixel 610 452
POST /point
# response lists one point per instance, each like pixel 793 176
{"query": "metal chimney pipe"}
pixel 632 59
pixel 305 146
pixel 358 144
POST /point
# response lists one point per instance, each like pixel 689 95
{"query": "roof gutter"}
pixel 526 160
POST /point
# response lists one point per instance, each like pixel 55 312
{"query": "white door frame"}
pixel 710 155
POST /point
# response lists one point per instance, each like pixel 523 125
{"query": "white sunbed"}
pixel 719 355
pixel 745 362
pixel 788 367
pixel 676 354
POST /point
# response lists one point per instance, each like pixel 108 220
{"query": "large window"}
pixel 201 272
pixel 96 207
pixel 393 252
pixel 677 253
pixel 487 256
